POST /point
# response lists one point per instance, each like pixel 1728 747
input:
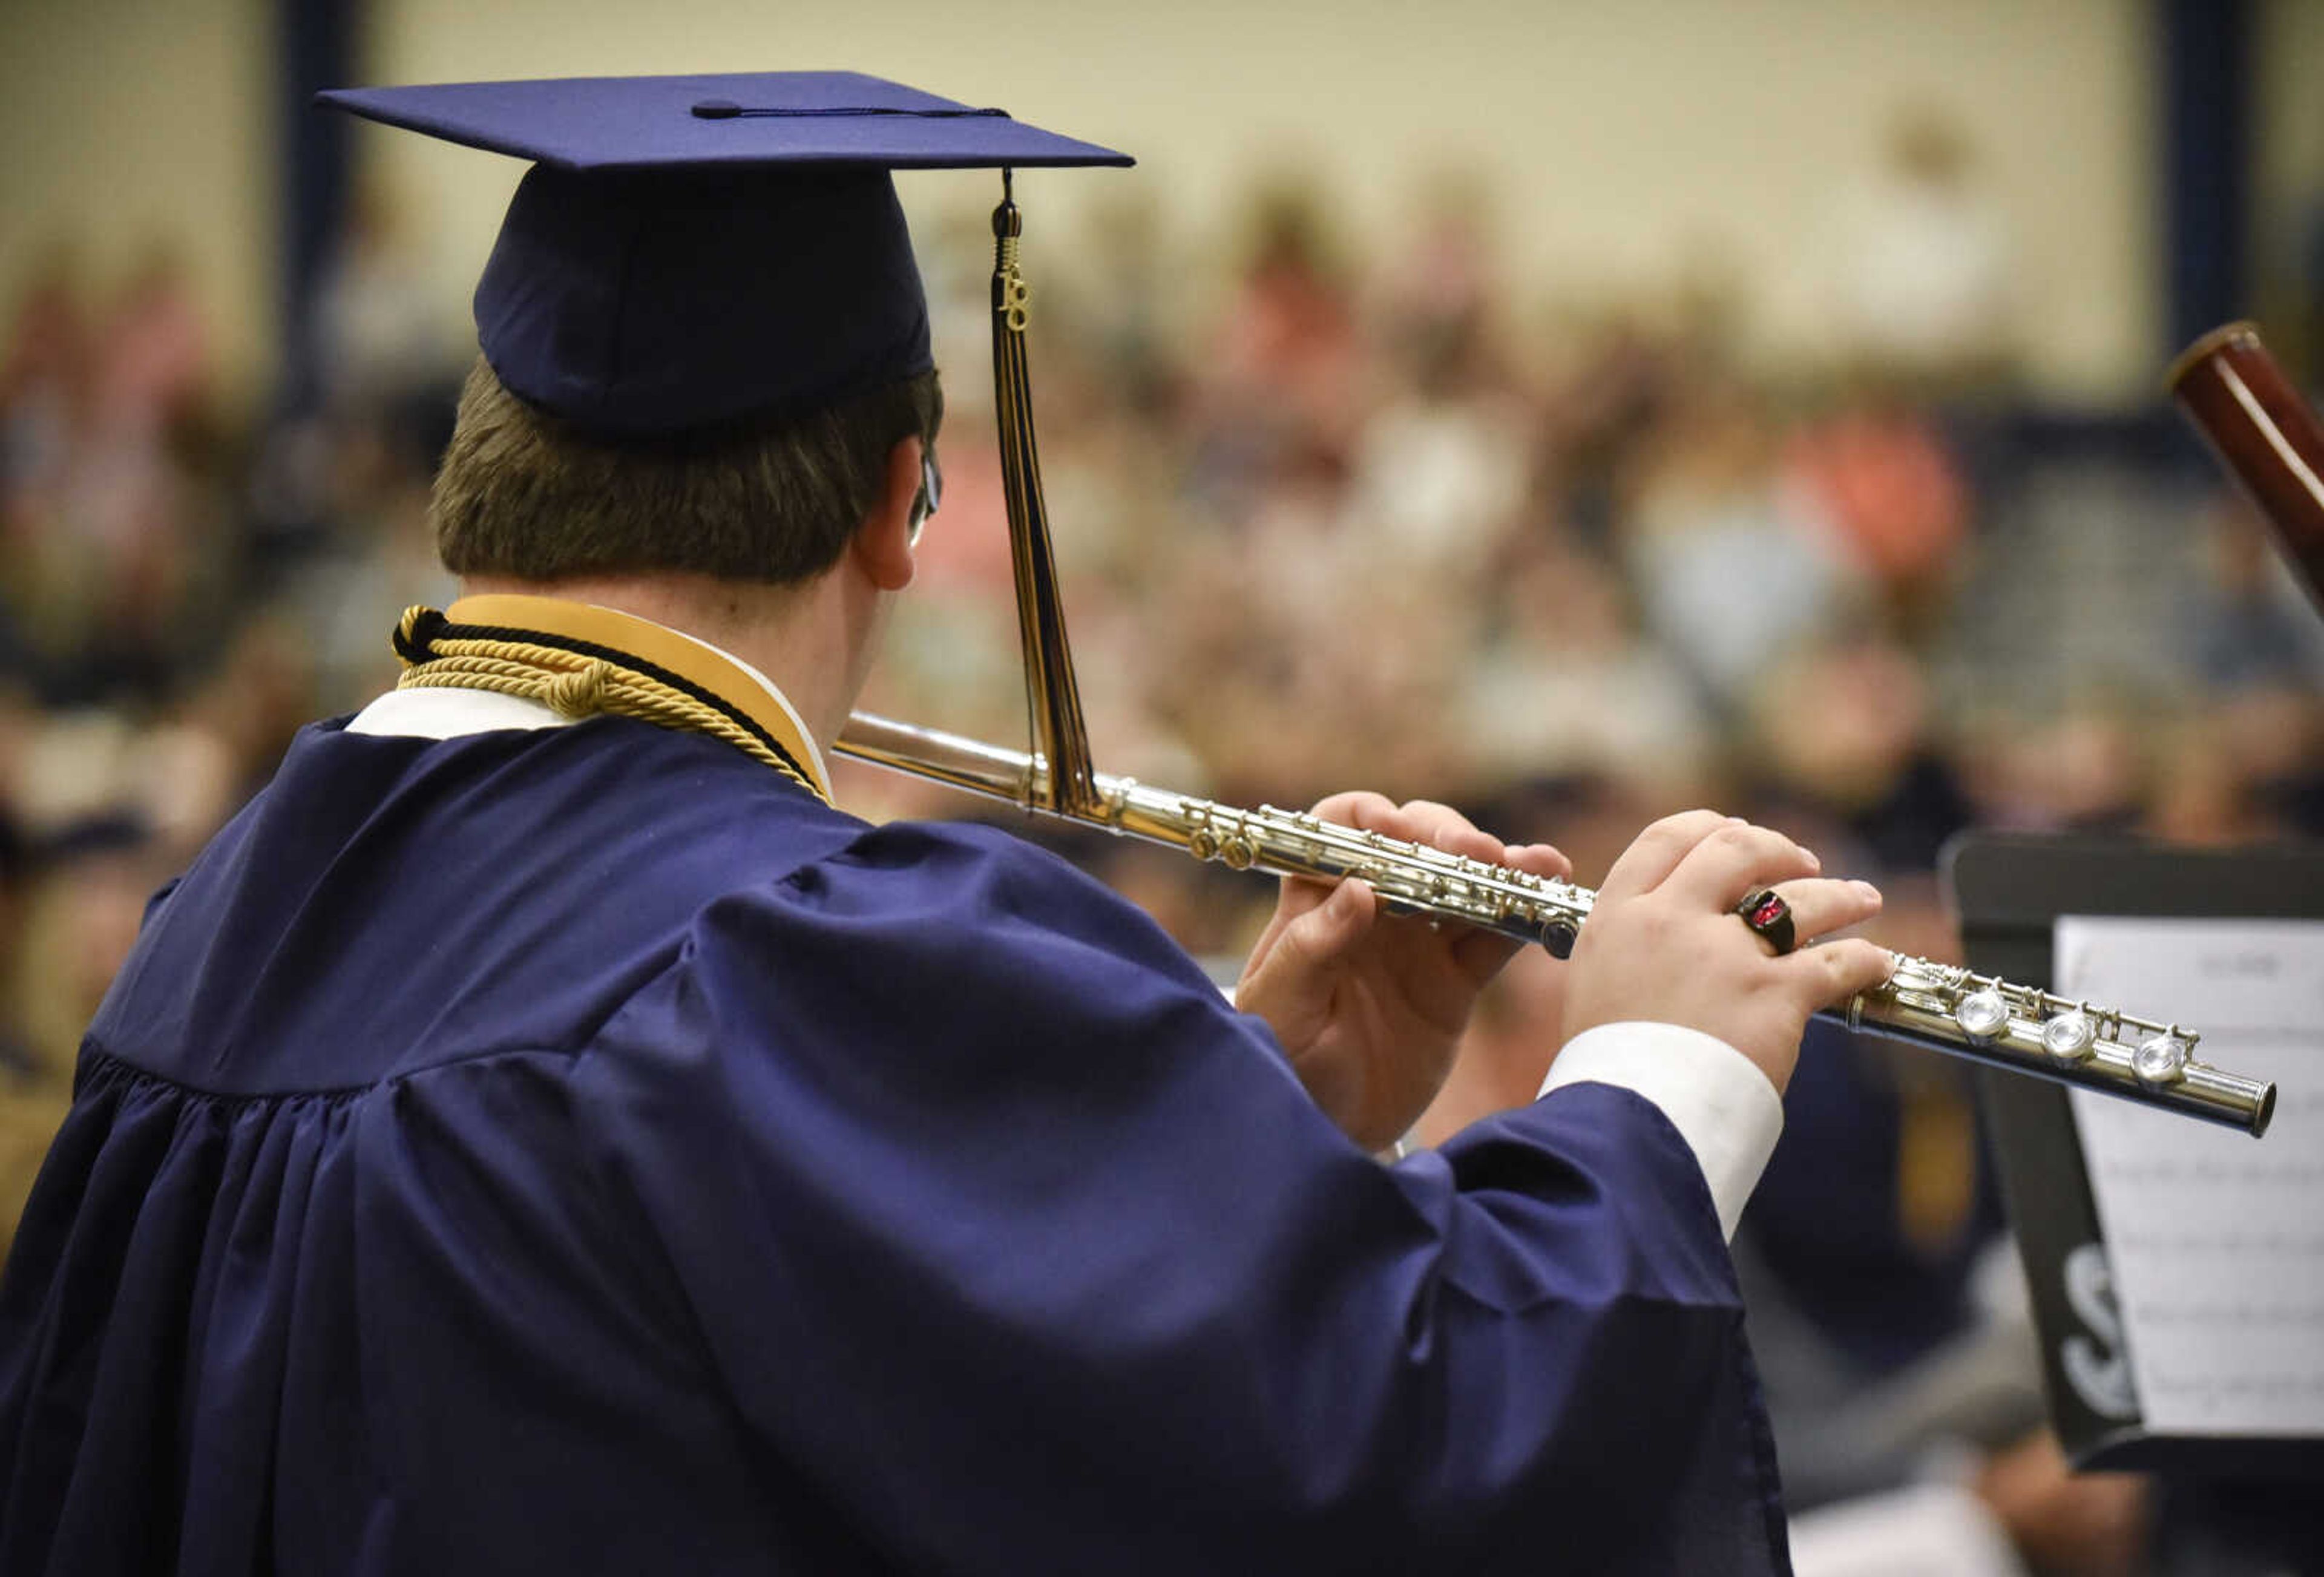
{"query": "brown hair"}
pixel 524 494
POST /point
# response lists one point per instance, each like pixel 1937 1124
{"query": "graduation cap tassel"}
pixel 1064 778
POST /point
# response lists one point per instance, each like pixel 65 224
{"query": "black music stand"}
pixel 2009 890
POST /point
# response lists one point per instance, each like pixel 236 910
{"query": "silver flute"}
pixel 1931 1004
pixel 1941 1006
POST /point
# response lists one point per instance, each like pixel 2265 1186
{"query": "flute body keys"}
pixel 1939 1006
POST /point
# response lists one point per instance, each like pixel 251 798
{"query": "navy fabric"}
pixel 652 122
pixel 579 1151
pixel 692 251
pixel 631 304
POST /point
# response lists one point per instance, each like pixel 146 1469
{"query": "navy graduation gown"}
pixel 582 1150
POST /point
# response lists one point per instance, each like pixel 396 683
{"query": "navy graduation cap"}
pixel 693 251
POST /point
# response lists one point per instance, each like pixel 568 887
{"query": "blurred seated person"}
pixel 68 909
pixel 20 1066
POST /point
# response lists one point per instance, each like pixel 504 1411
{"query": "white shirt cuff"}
pixel 1717 1098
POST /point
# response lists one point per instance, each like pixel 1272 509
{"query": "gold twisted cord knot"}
pixel 406 629
pixel 580 693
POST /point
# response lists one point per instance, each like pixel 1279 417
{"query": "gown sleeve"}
pixel 1001 1225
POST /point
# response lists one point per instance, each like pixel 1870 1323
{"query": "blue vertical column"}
pixel 2207 93
pixel 314 49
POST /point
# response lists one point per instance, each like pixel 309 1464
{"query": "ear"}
pixel 882 549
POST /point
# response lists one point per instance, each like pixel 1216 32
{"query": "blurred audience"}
pixel 1920 259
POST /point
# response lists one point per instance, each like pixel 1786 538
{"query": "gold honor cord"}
pixel 580 661
pixel 1938 1006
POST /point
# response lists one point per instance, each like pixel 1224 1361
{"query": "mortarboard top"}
pixel 761 117
pixel 692 251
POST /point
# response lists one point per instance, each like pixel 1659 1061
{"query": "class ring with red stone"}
pixel 1763 909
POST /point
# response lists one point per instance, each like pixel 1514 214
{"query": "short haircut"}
pixel 525 495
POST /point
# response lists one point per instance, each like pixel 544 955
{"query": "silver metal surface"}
pixel 1922 1003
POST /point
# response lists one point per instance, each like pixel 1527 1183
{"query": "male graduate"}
pixel 543 1133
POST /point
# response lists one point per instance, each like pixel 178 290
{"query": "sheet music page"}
pixel 2216 1239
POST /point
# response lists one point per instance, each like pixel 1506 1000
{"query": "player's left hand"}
pixel 1369 1006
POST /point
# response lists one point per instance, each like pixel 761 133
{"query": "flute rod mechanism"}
pixel 1939 1006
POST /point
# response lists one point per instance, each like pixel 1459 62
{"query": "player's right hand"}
pixel 1663 943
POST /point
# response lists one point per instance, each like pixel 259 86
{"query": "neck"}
pixel 809 639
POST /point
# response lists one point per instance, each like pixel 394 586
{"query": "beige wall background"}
pixel 1624 143
pixel 2288 173
pixel 131 124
